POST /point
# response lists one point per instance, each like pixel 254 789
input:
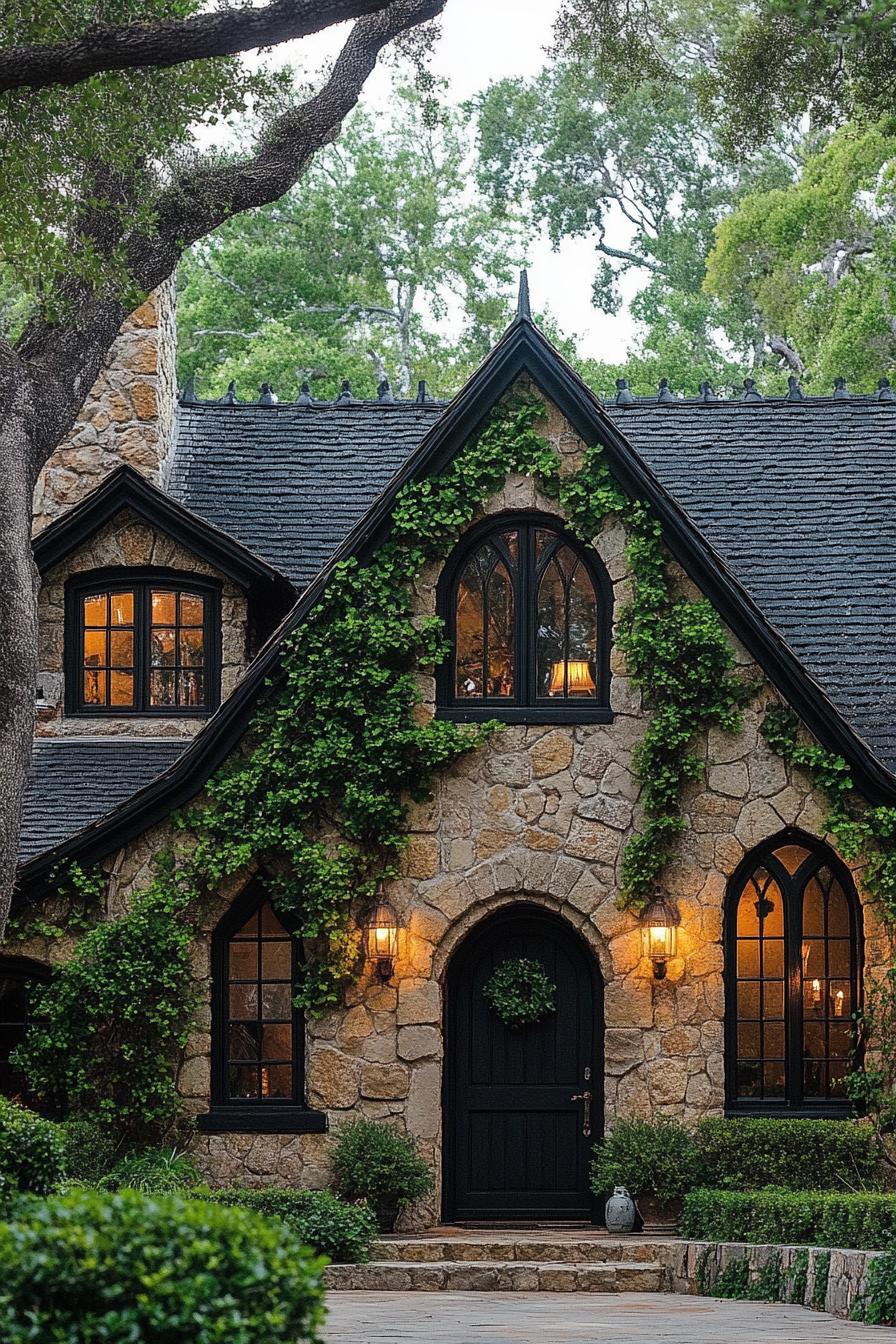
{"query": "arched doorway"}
pixel 522 1107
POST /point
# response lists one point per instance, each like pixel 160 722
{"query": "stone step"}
pixel 584 1250
pixel 498 1276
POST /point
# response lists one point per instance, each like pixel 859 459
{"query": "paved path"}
pixel 579 1318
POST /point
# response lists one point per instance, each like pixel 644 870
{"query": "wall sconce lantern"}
pixel 382 939
pixel 659 927
pixel 571 678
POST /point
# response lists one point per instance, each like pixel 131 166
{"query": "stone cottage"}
pixel 179 543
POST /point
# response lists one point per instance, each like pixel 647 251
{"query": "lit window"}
pixel 793 966
pixel 142 647
pixel 528 615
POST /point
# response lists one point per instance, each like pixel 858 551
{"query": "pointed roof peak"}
pixel 523 307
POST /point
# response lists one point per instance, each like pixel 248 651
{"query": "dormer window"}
pixel 142 643
pixel 528 612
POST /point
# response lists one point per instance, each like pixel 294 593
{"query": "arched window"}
pixel 18 978
pixel 528 613
pixel 258 1034
pixel 142 642
pixel 793 959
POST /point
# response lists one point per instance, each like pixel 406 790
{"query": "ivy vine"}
pixel 520 991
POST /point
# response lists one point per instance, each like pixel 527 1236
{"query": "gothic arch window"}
pixel 793 964
pixel 19 977
pixel 141 641
pixel 258 1033
pixel 528 612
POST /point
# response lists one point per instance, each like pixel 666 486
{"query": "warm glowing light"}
pixel 659 926
pixel 382 938
pixel 577 681
pixel 816 992
pixel 838 1003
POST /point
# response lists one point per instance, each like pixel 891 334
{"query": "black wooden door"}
pixel 516 1126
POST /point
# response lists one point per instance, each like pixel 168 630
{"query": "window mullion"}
pixel 795 1028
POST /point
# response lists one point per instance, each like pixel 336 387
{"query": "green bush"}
pixel 32 1151
pixel 372 1161
pixel 791 1154
pixel 654 1158
pixel 791 1217
pixel 344 1232
pixel 90 1149
pixel 877 1305
pixel 155 1171
pixel 128 1269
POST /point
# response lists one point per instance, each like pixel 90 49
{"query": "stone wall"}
pixel 127 540
pixel 128 415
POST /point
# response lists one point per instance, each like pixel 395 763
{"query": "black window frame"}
pixel 524 706
pixel 142 580
pixel 270 1115
pixel 792 887
pixel 33 973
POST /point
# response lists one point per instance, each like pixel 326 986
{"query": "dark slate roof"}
pixel 289 481
pixel 796 496
pixel 76 780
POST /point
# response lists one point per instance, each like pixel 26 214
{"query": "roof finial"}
pixel 266 395
pixel 884 390
pixel 304 397
pixel 706 391
pixel 229 397
pixel 345 393
pixel 422 394
pixel 623 396
pixel 523 308
pixel 794 391
pixel 384 391
pixel 840 389
pixel 664 391
pixel 188 394
pixel 750 393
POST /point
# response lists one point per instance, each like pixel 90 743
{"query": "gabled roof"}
pixel 524 350
pixel 125 488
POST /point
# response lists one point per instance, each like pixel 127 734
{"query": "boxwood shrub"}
pixel 32 1151
pixel 745 1154
pixel 133 1269
pixel 791 1217
pixel 344 1232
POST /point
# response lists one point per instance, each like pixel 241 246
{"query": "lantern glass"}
pixel 382 935
pixel 659 925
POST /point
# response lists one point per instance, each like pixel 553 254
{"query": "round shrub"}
pixel 652 1158
pixel 744 1154
pixel 372 1161
pixel 129 1269
pixel 32 1151
pixel 344 1232
pixel 90 1149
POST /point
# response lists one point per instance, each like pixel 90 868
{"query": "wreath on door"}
pixel 520 991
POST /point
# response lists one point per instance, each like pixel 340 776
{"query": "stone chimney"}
pixel 128 415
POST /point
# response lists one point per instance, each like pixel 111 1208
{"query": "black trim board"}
pixel 522 351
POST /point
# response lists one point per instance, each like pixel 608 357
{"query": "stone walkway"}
pixel 579 1318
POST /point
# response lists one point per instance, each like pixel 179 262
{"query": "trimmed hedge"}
pixel 655 1158
pixel 344 1232
pixel 745 1154
pixel 791 1217
pixel 32 1151
pixel 129 1269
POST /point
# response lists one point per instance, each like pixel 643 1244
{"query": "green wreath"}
pixel 520 992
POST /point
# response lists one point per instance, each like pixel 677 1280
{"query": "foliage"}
pixel 877 1304
pixel 374 1162
pixel 790 1217
pixel 75 907
pixel 32 1151
pixel 771 1281
pixel 873 1086
pixel 108 1026
pixel 815 257
pixel 90 1150
pixel 520 991
pixel 152 1171
pixel 343 1232
pixel 128 1269
pixel 741 1154
pixel 652 1158
pixel 346 275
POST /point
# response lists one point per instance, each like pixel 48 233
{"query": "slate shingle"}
pixel 74 781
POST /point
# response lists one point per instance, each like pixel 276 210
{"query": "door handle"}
pixel 586 1117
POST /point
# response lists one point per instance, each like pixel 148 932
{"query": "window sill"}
pixel 262 1119
pixel 527 714
pixel 823 1110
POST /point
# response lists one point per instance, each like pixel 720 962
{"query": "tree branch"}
pixel 786 352
pixel 619 254
pixel 173 42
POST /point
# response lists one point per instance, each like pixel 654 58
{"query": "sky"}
pixel 483 41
